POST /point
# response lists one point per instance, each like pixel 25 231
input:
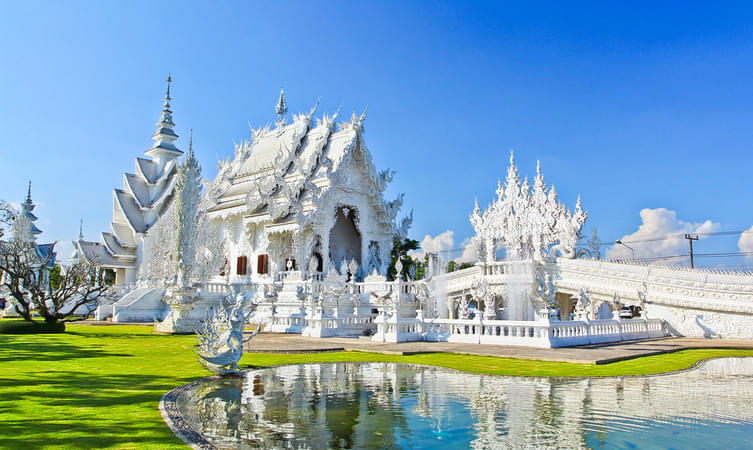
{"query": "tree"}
pixel 79 287
pixel 7 214
pixel 24 275
pixel 55 276
pixel 402 248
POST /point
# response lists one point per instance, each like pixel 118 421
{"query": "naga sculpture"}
pixel 220 340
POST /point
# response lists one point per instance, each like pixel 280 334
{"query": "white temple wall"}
pixel 704 324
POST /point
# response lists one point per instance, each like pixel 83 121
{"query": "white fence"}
pixel 518 333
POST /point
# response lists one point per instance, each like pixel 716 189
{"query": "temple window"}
pixel 262 264
pixel 242 265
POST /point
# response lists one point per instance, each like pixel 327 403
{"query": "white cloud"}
pixel 441 242
pixel 660 223
pixel 470 251
pixel 444 245
pixel 745 244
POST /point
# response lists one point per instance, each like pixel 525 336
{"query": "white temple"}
pixel 296 226
pixel 304 196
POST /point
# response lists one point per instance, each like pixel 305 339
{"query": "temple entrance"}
pixel 344 238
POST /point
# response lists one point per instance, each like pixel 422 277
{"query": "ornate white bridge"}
pixel 693 302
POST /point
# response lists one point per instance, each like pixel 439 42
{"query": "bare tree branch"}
pixel 24 276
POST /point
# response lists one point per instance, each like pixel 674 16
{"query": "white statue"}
pixel 546 292
pixel 373 261
pixel 583 304
pixel 463 310
pixel 220 340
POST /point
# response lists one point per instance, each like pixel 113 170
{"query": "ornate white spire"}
pixel 164 137
pixel 281 107
pixel 81 230
pixel 527 221
pixel 28 217
pixel 187 197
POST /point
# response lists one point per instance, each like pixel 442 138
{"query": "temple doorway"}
pixel 344 238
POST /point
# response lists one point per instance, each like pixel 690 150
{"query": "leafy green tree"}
pixel 400 249
pixel 55 277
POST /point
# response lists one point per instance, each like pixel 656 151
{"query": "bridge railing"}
pixel 518 333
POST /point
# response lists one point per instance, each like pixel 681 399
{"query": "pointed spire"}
pixel 28 205
pixel 190 144
pixel 26 210
pixel 512 181
pixel 165 136
pixel 281 109
pixel 316 105
pixel 166 118
pixel 81 230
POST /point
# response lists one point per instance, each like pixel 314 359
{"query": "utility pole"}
pixel 691 238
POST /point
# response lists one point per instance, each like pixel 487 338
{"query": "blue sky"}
pixel 631 105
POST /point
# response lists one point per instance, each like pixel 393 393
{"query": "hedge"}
pixel 26 327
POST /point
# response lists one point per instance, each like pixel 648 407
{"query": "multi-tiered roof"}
pixel 145 196
pixel 26 209
pixel 282 174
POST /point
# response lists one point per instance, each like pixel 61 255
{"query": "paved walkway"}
pixel 587 354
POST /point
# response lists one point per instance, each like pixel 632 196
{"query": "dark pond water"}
pixel 385 405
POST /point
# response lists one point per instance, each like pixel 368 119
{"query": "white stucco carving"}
pixel 528 222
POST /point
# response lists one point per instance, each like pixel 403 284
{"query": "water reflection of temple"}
pixel 369 405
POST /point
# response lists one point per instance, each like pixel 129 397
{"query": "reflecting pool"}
pixel 386 405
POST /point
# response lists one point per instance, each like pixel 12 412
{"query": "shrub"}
pixel 26 327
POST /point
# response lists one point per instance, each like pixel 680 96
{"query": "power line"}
pixel 657 239
pixel 680 236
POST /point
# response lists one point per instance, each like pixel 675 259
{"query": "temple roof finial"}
pixel 81 230
pixel 190 143
pixel 281 107
pixel 165 136
pixel 28 194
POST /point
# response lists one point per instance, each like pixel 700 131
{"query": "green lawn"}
pixel 99 386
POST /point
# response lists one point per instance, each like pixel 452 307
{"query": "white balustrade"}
pixel 519 333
